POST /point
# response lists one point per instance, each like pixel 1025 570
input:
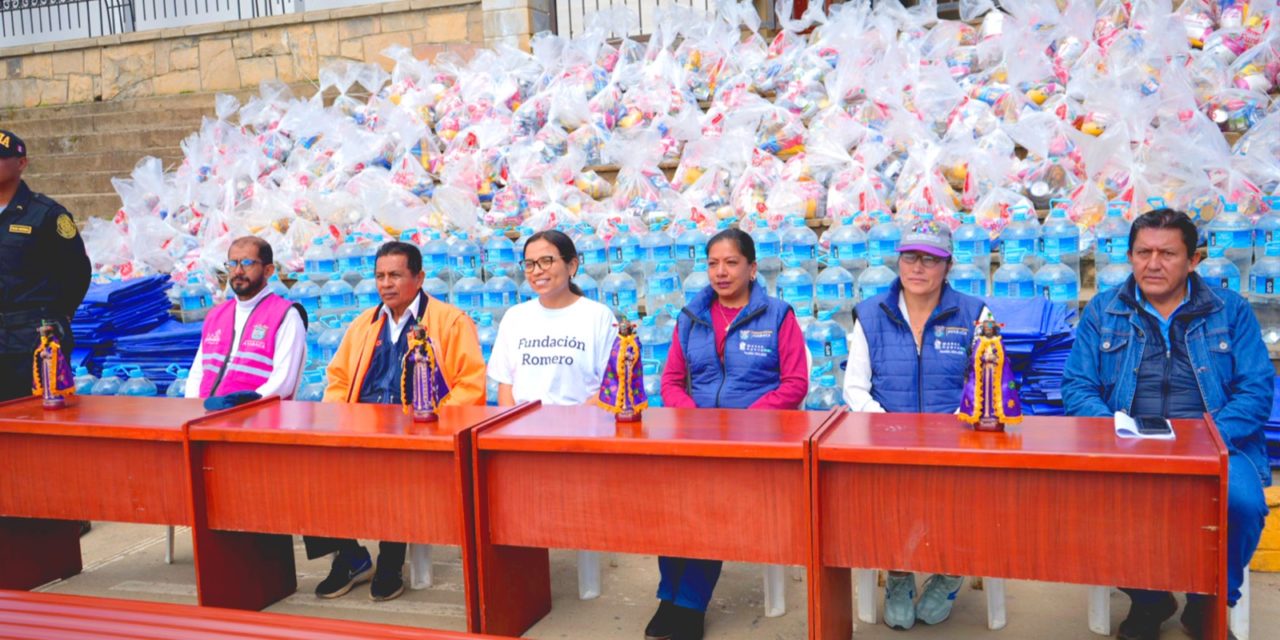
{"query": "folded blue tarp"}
pixel 115 310
pixel 1038 336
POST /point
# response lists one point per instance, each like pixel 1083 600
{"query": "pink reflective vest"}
pixel 254 359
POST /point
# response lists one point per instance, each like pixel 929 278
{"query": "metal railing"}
pixel 571 17
pixel 24 22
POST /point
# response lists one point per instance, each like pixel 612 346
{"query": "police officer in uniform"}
pixel 44 270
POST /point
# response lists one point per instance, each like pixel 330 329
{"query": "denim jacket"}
pixel 1224 342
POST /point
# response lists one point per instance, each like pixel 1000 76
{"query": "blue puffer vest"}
pixel 751 366
pixel 931 381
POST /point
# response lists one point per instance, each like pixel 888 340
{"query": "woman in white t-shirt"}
pixel 554 348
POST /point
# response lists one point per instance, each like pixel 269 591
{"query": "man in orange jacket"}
pixel 367 368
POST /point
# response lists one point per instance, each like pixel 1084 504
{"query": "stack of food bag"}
pixel 862 110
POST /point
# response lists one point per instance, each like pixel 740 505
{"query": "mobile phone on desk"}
pixel 1153 426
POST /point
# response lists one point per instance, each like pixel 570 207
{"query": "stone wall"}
pixel 234 55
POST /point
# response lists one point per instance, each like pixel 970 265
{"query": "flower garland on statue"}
pixel 55 359
pixel 618 390
pixel 997 382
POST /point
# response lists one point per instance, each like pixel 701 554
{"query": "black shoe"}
pixel 688 624
pixel 387 584
pixel 1143 622
pixel 1193 616
pixel 662 624
pixel 343 575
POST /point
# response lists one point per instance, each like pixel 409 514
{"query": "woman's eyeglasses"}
pixel 542 263
pixel 923 258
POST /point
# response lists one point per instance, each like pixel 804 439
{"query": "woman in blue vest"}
pixel 763 366
pixel 909 353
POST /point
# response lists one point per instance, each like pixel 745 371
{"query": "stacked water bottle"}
pixel 1245 258
pixel 661 269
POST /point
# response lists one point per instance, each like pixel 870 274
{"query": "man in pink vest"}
pixel 256 342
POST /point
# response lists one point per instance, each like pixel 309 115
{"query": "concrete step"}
pixel 35 129
pixel 120 160
pixel 89 205
pixel 178 101
pixel 54 184
pixel 169 137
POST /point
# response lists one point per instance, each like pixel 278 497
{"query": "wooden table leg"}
pixel 514 583
pixel 34 551
pixel 515 588
pixel 1216 624
pixel 239 570
pixel 830 608
pixel 234 569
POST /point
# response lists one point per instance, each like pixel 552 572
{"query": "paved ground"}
pixel 127 561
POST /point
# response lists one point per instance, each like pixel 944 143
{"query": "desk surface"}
pixel 726 433
pixel 1040 442
pixel 103 416
pixel 371 426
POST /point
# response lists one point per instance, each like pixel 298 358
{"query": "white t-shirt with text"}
pixel 553 355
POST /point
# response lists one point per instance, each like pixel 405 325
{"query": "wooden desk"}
pixel 322 469
pixel 38 616
pixel 1054 499
pixel 103 458
pixel 721 484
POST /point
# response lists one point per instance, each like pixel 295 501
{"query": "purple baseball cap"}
pixel 927 237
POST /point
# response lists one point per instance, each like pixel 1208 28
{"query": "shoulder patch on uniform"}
pixel 66 228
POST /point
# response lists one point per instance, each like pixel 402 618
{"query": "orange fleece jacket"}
pixel 454 333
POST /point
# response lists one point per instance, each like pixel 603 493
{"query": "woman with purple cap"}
pixel 909 352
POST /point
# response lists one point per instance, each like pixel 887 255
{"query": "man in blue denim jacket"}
pixel 1167 344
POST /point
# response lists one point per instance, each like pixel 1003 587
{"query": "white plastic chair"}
pixel 1100 611
pixel 868 591
pixel 588 575
pixel 420 576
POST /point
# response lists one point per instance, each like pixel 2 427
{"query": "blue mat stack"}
pixel 1273 429
pixel 117 309
pixel 170 343
pixel 1037 339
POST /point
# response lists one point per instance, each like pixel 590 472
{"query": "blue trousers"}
pixel 1246 515
pixel 687 582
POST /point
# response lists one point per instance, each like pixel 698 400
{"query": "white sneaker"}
pixel 899 601
pixel 938 598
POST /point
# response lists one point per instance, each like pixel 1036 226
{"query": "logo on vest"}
pixel 755 344
pixel 215 337
pixel 951 341
pixel 259 332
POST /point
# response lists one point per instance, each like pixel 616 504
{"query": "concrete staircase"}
pixel 75 150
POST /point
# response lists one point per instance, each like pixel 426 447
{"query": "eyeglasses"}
pixel 923 258
pixel 542 263
pixel 243 263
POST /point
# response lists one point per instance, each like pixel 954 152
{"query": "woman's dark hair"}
pixel 563 244
pixel 412 256
pixel 1165 218
pixel 746 246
